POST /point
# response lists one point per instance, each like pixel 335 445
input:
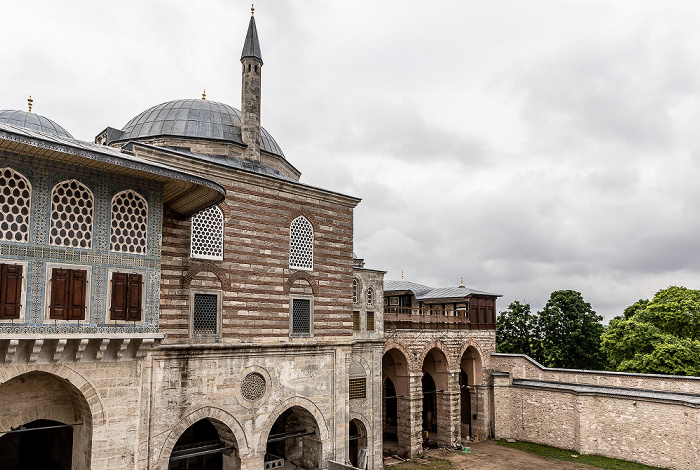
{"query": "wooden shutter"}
pixel 77 294
pixel 119 292
pixel 59 294
pixel 10 291
pixel 134 297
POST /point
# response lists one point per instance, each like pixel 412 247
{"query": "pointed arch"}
pixel 72 207
pixel 207 234
pixel 15 205
pixel 129 223
pixel 301 244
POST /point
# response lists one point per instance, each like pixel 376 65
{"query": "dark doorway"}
pixel 391 409
pixel 466 404
pixel 199 447
pixel 39 445
pixel 429 404
pixel 357 440
pixel 294 439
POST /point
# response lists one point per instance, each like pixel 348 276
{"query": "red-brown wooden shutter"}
pixel 119 292
pixel 59 294
pixel 134 297
pixel 10 291
pixel 78 291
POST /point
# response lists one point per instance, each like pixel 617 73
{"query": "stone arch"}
pixel 301 212
pixel 478 357
pixel 36 396
pixel 439 345
pixel 201 267
pixel 77 381
pixel 301 276
pixel 301 402
pixel 361 360
pixel 412 363
pixel 365 440
pixel 231 429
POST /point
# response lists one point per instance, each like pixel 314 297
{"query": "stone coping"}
pixel 50 336
pixel 597 372
pixel 685 398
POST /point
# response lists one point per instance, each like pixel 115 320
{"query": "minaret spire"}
pixel 250 91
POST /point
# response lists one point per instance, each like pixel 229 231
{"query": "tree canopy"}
pixel 565 333
pixel 661 336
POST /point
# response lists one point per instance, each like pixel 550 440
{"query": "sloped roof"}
pixel 422 292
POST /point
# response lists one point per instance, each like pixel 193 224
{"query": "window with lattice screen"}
pixel 71 215
pixel 355 288
pixel 15 205
pixel 206 313
pixel 301 320
pixel 370 321
pixel 355 321
pixel 370 296
pixel 301 244
pixel 129 223
pixel 358 388
pixel 208 234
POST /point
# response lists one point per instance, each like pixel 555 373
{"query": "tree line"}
pixel 657 336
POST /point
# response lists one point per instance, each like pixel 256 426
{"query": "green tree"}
pixel 569 332
pixel 514 329
pixel 661 336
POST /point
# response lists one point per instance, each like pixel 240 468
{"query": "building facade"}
pixel 173 297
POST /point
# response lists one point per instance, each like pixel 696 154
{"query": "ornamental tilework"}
pixel 43 176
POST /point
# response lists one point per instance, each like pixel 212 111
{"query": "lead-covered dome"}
pixel 32 121
pixel 201 119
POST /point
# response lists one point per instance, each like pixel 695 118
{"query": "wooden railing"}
pixel 434 319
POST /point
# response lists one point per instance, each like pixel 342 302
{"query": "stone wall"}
pixel 651 419
pixel 418 348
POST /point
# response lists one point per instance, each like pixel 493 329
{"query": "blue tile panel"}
pixel 43 176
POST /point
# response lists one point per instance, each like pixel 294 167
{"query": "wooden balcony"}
pixel 432 319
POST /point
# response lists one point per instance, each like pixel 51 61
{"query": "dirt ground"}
pixel 487 455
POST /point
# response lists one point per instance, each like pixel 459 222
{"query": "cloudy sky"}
pixel 525 146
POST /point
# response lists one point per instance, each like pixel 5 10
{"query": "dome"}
pixel 201 119
pixel 32 121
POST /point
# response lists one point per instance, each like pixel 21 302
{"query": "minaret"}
pixel 250 91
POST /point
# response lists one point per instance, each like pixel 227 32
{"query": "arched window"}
pixel 15 204
pixel 71 215
pixel 301 244
pixel 370 296
pixel 129 223
pixel 355 293
pixel 208 234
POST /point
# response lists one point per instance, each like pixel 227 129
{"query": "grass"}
pixel 432 464
pixel 563 454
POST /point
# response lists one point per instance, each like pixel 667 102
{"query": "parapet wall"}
pixel 651 419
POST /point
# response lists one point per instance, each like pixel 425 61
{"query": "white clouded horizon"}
pixel 525 146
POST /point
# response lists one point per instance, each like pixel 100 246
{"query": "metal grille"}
pixel 358 388
pixel 253 386
pixel 206 307
pixel 301 244
pixel 71 215
pixel 129 223
pixel 370 321
pixel 208 234
pixel 15 201
pixel 356 321
pixel 301 316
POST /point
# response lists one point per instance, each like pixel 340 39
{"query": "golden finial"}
pixel 30 101
pixel 252 9
pixel 402 274
pixel 204 95
pixel 461 282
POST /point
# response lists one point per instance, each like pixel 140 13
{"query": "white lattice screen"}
pixel 301 244
pixel 208 234
pixel 129 223
pixel 71 215
pixel 15 202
